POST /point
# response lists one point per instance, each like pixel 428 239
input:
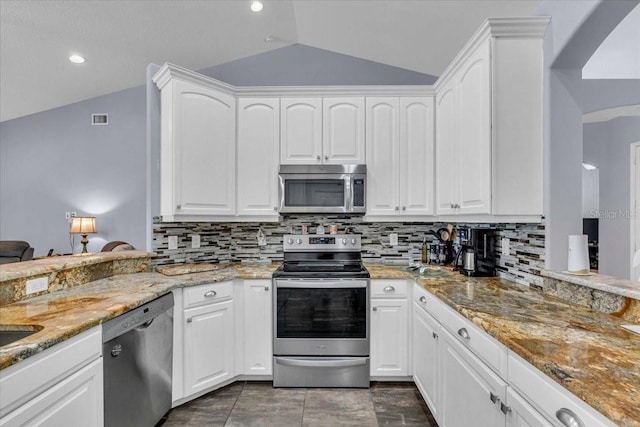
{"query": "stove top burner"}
pixel 321 270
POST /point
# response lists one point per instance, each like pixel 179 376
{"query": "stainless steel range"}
pixel 321 306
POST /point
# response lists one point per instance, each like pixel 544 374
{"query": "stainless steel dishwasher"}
pixel 137 350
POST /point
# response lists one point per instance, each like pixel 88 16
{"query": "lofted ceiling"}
pixel 120 38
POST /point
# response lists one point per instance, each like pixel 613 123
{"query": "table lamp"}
pixel 83 225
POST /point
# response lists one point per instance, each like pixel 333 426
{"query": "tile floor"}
pixel 259 404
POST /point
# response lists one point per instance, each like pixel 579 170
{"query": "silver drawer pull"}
pixel 210 294
pixel 494 398
pixel 389 289
pixel 266 288
pixel 504 408
pixel 189 320
pixel 464 334
pixel 375 308
pixel 568 418
pixel 423 300
pixel 435 336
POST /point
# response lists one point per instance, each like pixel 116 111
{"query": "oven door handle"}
pixel 322 363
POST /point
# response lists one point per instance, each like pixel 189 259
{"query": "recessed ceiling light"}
pixel 256 6
pixel 76 59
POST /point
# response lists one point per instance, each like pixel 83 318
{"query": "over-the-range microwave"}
pixel 337 189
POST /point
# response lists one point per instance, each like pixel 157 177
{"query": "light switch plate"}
pixel 393 239
pixel 505 246
pixel 173 242
pixel 37 285
pixel 195 241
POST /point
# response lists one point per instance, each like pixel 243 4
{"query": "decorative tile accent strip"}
pixel 237 242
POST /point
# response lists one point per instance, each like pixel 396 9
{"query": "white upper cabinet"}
pixel 343 130
pixel 489 123
pixel 322 131
pixel 301 125
pixel 258 145
pixel 400 135
pixel 198 150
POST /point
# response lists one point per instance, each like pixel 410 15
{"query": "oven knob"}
pixel 290 241
pixel 353 241
pixel 299 241
pixel 344 241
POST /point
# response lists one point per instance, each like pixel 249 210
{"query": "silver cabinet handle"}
pixel 326 157
pixel 210 294
pixel 397 208
pixel 452 206
pixel 318 157
pixel 463 333
pixel 266 288
pixel 178 207
pixel 375 308
pixel 494 398
pixel 404 208
pixel 568 418
pixel 435 336
pixel 389 289
pixel 423 299
pixel 504 408
pixel 189 320
pixel 275 208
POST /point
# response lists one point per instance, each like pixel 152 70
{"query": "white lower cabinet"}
pixel 426 358
pixel 389 316
pixel 258 321
pixel 208 346
pixel 62 386
pixel 520 413
pixel 471 392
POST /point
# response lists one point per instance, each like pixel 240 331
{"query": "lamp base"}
pixel 84 242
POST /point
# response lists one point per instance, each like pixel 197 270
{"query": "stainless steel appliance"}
pixel 137 353
pixel 478 252
pixel 323 189
pixel 321 307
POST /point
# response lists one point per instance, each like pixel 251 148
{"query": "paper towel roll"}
pixel 578 254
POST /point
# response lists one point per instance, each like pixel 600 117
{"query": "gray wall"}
pixel 56 161
pixel 606 145
pixel 301 65
pixel 600 94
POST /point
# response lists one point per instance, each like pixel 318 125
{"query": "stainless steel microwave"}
pixel 337 189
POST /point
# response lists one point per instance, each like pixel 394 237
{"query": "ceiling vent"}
pixel 100 119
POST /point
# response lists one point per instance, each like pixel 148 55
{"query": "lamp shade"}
pixel 83 225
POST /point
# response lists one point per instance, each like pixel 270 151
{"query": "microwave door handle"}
pixel 349 194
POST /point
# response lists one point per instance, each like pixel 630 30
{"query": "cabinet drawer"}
pixel 206 294
pixel 475 339
pixel 389 289
pixel 550 398
pixel 427 301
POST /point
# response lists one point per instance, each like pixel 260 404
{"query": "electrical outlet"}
pixel 37 285
pixel 173 242
pixel 195 241
pixel 68 215
pixel 505 246
pixel 393 239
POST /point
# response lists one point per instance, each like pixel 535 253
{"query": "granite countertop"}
pixel 585 351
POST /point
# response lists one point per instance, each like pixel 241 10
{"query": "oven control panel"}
pixel 321 243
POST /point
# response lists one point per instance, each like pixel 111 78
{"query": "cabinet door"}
pixel 258 147
pixel 343 130
pixel 474 157
pixel 521 414
pixel 446 155
pixel 301 127
pixel 382 156
pixel 469 388
pixel 389 326
pixel 426 358
pixel 258 321
pixel 209 346
pixel 204 147
pixel 75 401
pixel 416 156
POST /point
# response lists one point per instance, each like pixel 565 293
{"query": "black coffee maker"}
pixel 477 256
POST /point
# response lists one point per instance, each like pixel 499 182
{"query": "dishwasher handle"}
pixel 138 318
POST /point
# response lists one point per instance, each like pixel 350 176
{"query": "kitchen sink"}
pixel 12 333
pixel 632 328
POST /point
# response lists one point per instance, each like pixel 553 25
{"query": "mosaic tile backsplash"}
pixel 237 242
